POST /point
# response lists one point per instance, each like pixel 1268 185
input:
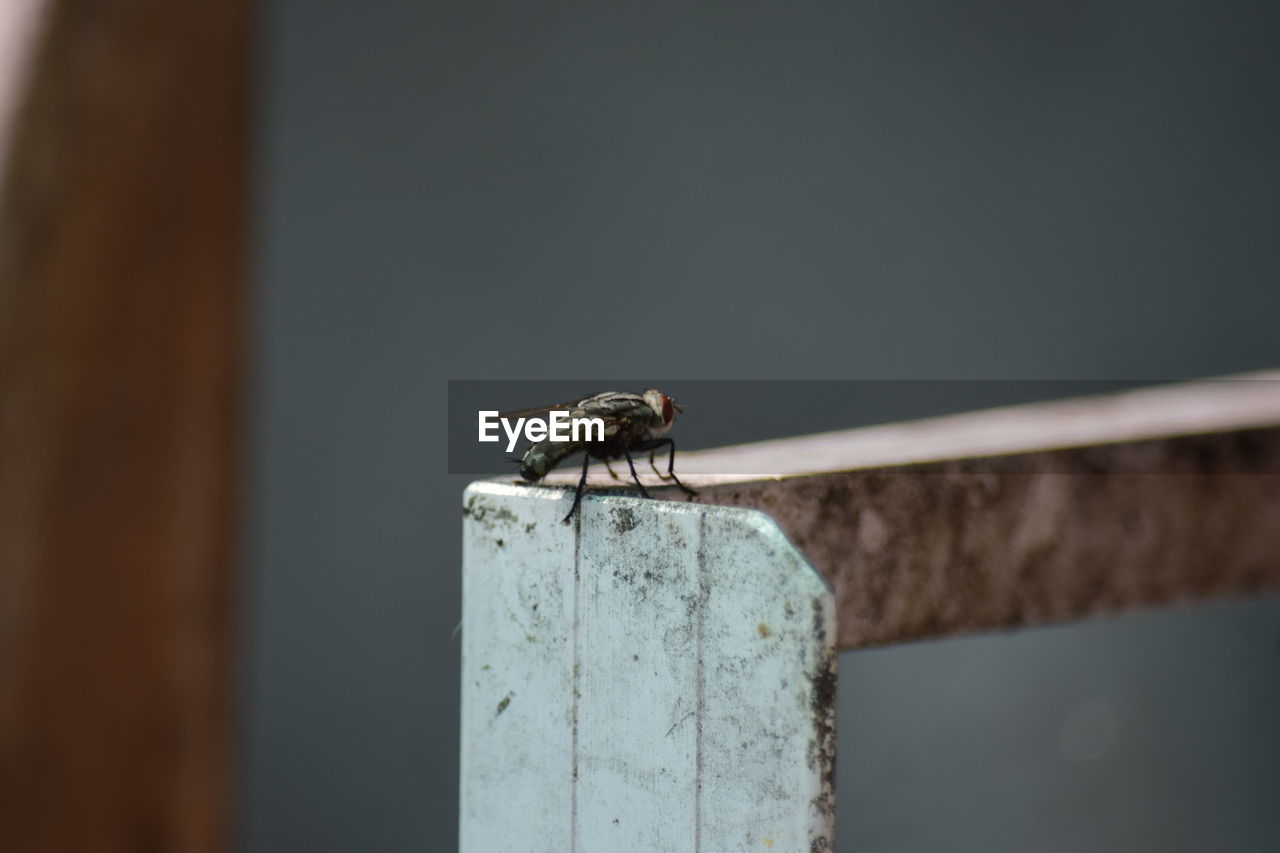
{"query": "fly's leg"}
pixel 612 473
pixel 653 445
pixel 582 484
pixel 634 475
pixel 660 475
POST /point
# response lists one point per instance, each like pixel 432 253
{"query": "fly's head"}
pixel 664 411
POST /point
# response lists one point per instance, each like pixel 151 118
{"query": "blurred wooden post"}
pixel 122 279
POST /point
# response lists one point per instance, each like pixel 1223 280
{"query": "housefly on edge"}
pixel 633 423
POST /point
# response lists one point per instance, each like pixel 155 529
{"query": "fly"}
pixel 633 423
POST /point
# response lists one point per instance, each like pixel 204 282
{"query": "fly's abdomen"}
pixel 543 456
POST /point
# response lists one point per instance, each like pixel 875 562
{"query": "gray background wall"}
pixel 721 190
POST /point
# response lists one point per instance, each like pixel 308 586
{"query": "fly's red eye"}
pixel 668 412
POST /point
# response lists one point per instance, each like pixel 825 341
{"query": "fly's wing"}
pixel 540 411
pixel 626 416
pixel 541 457
pixel 608 405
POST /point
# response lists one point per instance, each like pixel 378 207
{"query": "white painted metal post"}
pixel 657 677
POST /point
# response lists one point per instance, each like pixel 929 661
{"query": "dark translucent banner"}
pixel 718 413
